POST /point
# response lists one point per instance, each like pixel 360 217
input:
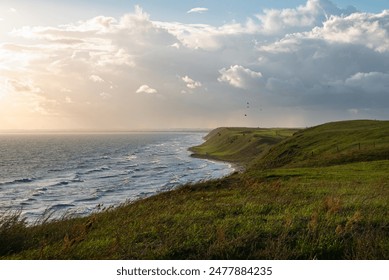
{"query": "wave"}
pixel 161 173
pixel 62 183
pixel 139 169
pixel 167 186
pixel 139 175
pixel 132 165
pixel 39 193
pixel 131 157
pixel 55 170
pixel 126 163
pixel 160 167
pixel 77 179
pixel 28 201
pixel 109 176
pixel 82 165
pixel 106 176
pixel 18 181
pixel 114 175
pixel 110 191
pixel 95 170
pixel 130 171
pixel 84 162
pixel 145 194
pixel 93 198
pixel 61 205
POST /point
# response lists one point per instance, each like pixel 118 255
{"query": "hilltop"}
pixel 331 144
pixel 240 145
pixel 315 193
pixel 323 145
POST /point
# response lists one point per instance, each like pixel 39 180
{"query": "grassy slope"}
pixel 288 204
pixel 240 145
pixel 329 144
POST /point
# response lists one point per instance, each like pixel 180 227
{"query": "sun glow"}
pixel 65 68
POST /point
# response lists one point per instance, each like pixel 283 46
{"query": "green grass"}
pixel 329 144
pixel 240 144
pixel 335 208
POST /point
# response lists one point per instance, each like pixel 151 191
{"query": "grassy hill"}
pixel 316 193
pixel 329 144
pixel 240 145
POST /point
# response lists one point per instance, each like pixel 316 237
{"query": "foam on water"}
pixel 77 172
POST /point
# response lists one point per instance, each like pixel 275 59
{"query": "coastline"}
pixel 236 166
pixel 135 171
pixel 282 213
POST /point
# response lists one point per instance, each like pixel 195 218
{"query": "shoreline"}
pixel 237 167
pixel 288 213
pixel 53 193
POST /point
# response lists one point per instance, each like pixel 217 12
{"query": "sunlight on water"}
pixel 78 172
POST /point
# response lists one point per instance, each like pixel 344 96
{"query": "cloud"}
pixel 146 89
pixel 191 83
pixel 175 45
pixel 23 97
pixel 305 71
pixel 370 30
pixel 238 76
pixel 376 84
pixel 313 13
pixel 302 66
pixel 198 10
pixel 269 25
pixel 208 37
pixel 26 86
pixel 96 79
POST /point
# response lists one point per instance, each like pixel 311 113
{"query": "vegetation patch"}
pixel 287 204
pixel 240 145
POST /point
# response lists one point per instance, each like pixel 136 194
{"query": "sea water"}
pixel 75 173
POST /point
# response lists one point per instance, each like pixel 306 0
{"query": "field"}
pixel 316 193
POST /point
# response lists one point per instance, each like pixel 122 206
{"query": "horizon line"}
pixel 75 131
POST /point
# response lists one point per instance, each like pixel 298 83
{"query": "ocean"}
pixel 78 173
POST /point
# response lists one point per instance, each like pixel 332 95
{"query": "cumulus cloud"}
pixel 238 76
pixel 198 10
pixel 146 89
pixel 275 20
pixel 269 25
pixel 370 30
pixel 302 65
pixel 313 13
pixel 190 83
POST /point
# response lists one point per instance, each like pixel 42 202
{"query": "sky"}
pixel 130 65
